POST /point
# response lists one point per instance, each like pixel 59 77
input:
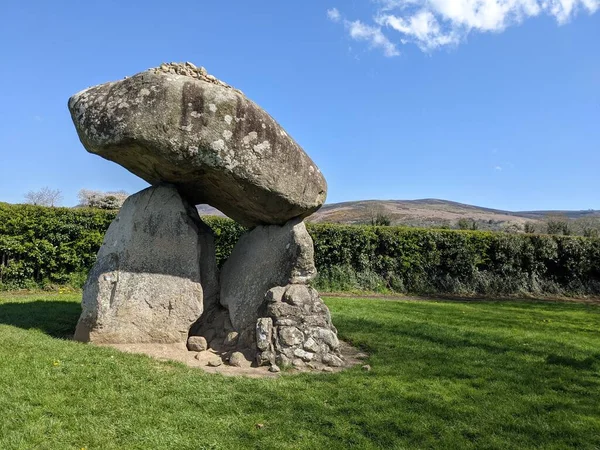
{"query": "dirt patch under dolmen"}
pixel 213 361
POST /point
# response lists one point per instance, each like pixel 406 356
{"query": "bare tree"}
pixel 102 200
pixel 377 215
pixel 44 197
pixel 587 226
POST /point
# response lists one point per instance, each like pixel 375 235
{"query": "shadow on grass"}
pixel 57 319
pixel 588 363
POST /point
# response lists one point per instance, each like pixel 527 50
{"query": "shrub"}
pixel 41 245
pixel 227 232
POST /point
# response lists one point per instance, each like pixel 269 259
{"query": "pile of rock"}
pixel 297 330
pixel 190 70
pixel 196 140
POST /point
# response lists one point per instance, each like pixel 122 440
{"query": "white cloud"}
pixel 334 15
pixel 423 27
pixel 498 168
pixel 432 24
pixel 360 31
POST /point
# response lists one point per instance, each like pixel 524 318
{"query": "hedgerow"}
pixel 48 245
pixel 414 260
pixel 41 245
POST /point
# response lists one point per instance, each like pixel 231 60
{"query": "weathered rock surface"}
pixel 300 327
pixel 238 359
pixel 264 333
pixel 156 279
pixel 215 362
pixel 197 344
pixel 179 125
pixel 231 339
pixel 209 272
pixel 146 284
pixel 266 257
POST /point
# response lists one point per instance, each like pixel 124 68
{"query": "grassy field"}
pixel 444 375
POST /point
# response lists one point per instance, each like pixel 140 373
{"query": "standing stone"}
pixel 178 125
pixel 263 258
pixel 209 272
pixel 145 286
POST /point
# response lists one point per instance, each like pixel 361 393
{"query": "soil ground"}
pixel 180 353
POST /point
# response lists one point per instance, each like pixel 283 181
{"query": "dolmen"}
pixel 198 140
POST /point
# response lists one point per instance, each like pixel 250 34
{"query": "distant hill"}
pixel 592 213
pixel 425 212
pixel 207 210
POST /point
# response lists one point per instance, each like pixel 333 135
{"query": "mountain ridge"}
pixel 426 212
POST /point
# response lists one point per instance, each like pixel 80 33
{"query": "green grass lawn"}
pixel 444 375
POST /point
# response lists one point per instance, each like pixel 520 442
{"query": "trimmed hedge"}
pixel 40 245
pixel 415 260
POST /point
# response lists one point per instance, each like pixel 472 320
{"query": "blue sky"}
pixel 489 102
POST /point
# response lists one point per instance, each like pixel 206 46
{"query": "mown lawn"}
pixel 444 375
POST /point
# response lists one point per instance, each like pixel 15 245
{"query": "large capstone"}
pixel 263 258
pixel 177 124
pixel 145 286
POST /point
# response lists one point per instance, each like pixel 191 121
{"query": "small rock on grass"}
pixel 196 344
pixel 237 359
pixel 333 360
pixel 274 368
pixel 366 368
pixel 215 362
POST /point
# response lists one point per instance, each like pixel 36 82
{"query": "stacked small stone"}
pixel 297 330
pixel 188 69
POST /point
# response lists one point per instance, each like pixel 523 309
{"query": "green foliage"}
pixel 467 224
pixel 40 245
pixel 557 224
pixel 455 262
pixel 381 220
pixel 58 245
pixel 227 232
pixel 529 228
